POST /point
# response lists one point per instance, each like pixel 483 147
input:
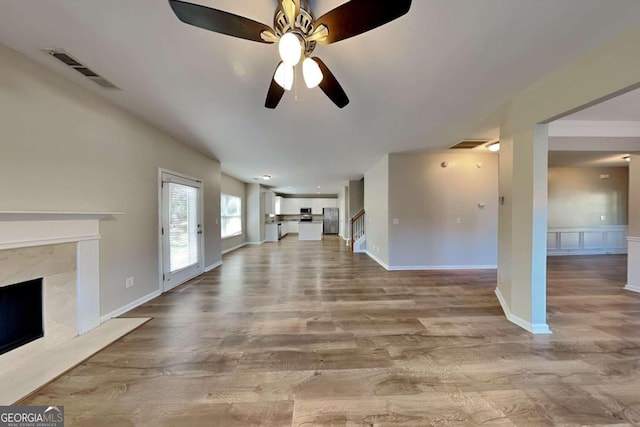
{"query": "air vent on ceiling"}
pixel 66 59
pixel 468 144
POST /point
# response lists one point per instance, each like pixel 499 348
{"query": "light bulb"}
pixel 495 147
pixel 284 76
pixel 290 49
pixel 312 73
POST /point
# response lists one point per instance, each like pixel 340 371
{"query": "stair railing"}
pixel 357 227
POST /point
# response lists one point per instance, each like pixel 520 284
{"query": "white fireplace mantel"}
pixel 22 229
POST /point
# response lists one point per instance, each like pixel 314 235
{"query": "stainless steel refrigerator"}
pixel 331 221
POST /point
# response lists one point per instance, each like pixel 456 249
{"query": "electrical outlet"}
pixel 396 221
pixel 458 220
pixel 128 283
pixel 603 218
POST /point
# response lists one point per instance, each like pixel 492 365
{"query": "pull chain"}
pixel 295 85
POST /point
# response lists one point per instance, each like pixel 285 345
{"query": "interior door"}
pixel 182 244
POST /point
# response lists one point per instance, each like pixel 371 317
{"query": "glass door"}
pixel 181 230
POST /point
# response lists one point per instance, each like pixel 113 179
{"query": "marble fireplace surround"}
pixel 70 240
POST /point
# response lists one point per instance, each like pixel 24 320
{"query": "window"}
pixel 231 216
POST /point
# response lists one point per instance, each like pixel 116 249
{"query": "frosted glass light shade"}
pixel 312 73
pixel 494 147
pixel 290 49
pixel 284 76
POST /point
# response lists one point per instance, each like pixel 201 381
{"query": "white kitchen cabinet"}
pixel 271 232
pixel 292 226
pixel 316 206
pixel 269 203
pixel 289 207
pixel 278 205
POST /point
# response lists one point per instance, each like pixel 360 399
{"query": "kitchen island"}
pixel 310 230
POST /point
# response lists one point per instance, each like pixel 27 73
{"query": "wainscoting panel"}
pixel 604 239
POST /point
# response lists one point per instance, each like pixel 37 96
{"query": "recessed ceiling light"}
pixel 319 186
pixel 266 177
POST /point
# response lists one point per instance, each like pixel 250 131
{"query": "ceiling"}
pixel 425 81
pixel 595 159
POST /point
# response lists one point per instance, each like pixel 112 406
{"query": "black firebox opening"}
pixel 20 314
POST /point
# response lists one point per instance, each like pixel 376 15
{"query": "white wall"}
pixel 255 214
pixel 356 197
pixel 237 188
pixel 427 200
pixel 634 196
pixel 579 197
pixel 342 206
pixel 65 149
pixel 376 204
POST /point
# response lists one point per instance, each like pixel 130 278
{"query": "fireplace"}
pixel 20 314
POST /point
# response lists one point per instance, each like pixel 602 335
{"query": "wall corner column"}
pixel 522 259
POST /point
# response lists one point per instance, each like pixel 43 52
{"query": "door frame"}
pixel 160 220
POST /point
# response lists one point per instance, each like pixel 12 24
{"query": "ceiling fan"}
pixel 297 33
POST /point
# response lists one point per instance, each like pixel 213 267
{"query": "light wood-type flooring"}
pixel 305 333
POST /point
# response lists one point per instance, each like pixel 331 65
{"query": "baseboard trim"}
pixel 632 288
pixel 241 245
pixel 441 267
pixel 376 259
pixel 213 266
pixel 122 310
pixel 256 243
pixel 534 328
pixel 588 252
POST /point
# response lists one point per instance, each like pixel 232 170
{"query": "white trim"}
pixel 593 240
pixel 258 243
pixel 226 251
pixel 589 252
pixel 632 288
pixel 213 266
pixel 134 304
pixel 536 329
pixel 441 267
pixel 633 239
pixel 44 242
pixel 53 216
pixel 376 259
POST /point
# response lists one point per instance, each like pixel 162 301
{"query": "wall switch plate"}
pixel 603 218
pixel 396 221
pixel 458 220
pixel 128 283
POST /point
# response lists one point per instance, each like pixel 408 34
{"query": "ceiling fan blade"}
pixel 220 21
pixel 275 93
pixel 330 85
pixel 359 16
pixel 291 10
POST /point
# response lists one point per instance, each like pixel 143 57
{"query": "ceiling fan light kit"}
pixel 284 76
pixel 297 33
